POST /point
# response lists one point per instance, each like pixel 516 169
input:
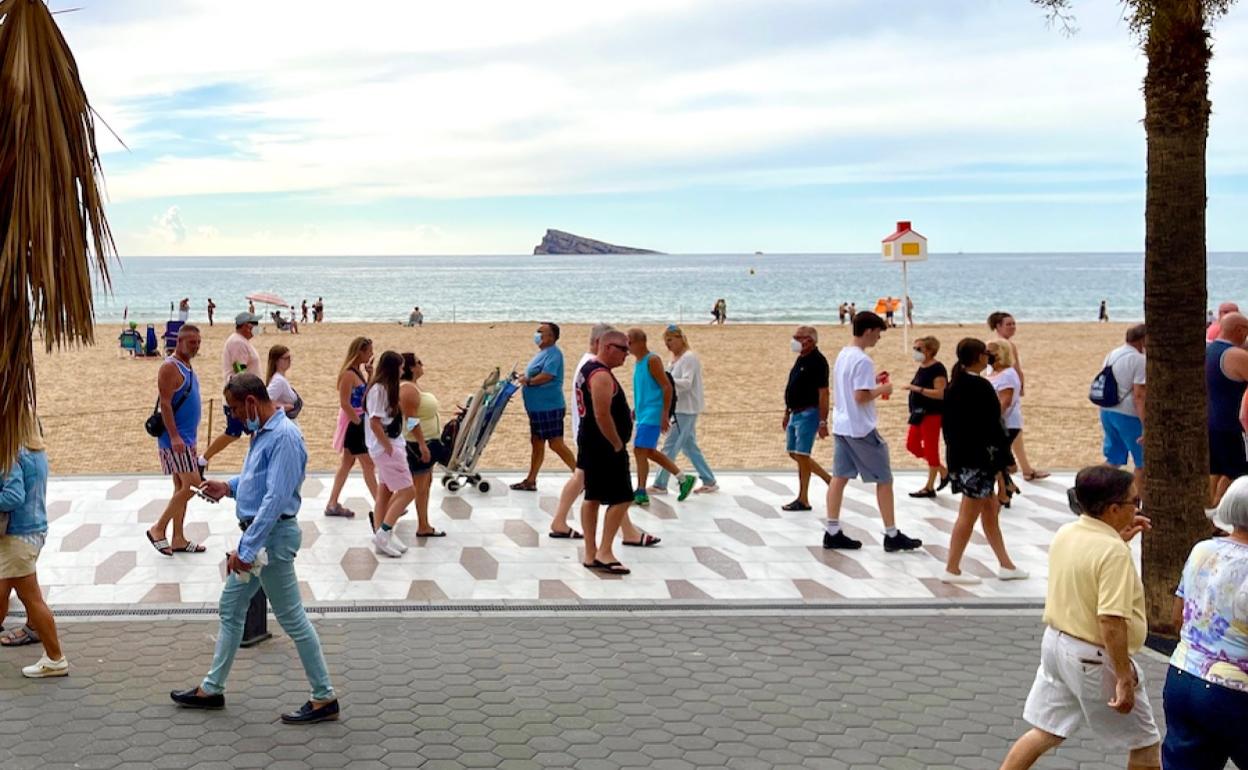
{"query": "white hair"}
pixel 598 330
pixel 1234 506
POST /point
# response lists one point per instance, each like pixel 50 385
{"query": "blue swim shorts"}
pixel 1122 438
pixel 646 437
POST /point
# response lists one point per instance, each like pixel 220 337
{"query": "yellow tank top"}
pixel 430 421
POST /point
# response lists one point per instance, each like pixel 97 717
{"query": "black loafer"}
pixel 309 714
pixel 192 700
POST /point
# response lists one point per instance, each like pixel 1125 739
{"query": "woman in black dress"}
pixel 976 448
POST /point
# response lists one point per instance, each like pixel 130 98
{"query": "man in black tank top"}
pixel 602 451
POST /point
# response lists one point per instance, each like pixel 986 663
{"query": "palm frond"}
pixel 53 232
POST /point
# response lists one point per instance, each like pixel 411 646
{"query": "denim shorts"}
pixel 799 437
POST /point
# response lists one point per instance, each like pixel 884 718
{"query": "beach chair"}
pixel 150 348
pixel 170 336
pixel 130 341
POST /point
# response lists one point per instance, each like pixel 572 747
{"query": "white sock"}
pixel 680 477
pixel 832 526
pixel 891 531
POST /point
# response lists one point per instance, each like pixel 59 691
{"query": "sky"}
pixel 686 126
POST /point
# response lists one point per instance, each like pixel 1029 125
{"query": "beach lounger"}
pixel 170 336
pixel 482 413
pixel 130 341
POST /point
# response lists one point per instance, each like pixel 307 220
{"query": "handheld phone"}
pixel 199 492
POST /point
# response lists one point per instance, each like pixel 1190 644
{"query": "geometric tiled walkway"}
pixel 733 545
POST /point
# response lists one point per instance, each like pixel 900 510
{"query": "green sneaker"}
pixel 686 486
pixel 641 498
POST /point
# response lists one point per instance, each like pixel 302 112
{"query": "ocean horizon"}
pixel 652 288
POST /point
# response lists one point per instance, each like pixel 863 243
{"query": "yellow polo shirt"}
pixel 1091 573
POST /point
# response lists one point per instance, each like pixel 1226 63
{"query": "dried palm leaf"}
pixel 53 233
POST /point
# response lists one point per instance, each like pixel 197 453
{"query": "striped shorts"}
pixel 172 462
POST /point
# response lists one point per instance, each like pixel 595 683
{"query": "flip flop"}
pixel 161 545
pixel 1036 475
pixel 646 541
pixel 434 533
pixel 19 637
pixel 796 505
pixel 612 568
pixel 192 548
pixel 524 486
pixel 571 534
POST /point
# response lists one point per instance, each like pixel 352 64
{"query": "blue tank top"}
pixel 1225 394
pixel 357 393
pixel 186 416
pixel 647 395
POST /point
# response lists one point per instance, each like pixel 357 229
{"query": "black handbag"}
pixel 155 424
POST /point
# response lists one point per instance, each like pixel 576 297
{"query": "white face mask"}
pixel 795 346
pixel 918 356
pixel 537 339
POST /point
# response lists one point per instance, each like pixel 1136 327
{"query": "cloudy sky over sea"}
pixel 420 127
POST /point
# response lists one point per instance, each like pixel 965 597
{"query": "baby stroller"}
pixel 476 424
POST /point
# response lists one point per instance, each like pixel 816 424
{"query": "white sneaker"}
pixel 1013 574
pixel 396 542
pixel 656 490
pixel 382 545
pixel 706 489
pixel 964 579
pixel 46 667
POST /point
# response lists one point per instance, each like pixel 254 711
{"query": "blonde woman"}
pixel 349 437
pixel 686 372
pixel 1005 381
pixel 423 432
pixel 1005 327
pixel 22 497
pixel 280 391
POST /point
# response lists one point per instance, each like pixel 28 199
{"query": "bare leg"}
pixel 219 443
pixel 382 502
pixel 836 495
pixel 818 470
pixel 537 453
pixel 574 486
pixel 931 477
pixel 370 475
pixel 421 485
pixel 1029 748
pixel 340 477
pixel 1020 454
pixel 397 505
pixel 991 524
pixel 589 520
pixel 565 454
pixel 610 527
pixel 38 616
pixel 803 478
pixel 664 462
pixel 643 466
pixel 968 512
pixel 1147 758
pixel 884 498
pixel 6 588
pixel 175 510
pixel 631 532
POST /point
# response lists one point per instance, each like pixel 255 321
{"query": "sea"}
pixel 652 288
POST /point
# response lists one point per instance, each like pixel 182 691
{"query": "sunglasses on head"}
pixel 673 328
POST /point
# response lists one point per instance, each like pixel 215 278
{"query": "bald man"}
pixel 1226 380
pixel 1215 328
pixel 806 412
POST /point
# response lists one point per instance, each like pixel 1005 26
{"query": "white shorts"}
pixel 1074 685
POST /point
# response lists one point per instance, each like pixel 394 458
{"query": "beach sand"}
pixel 93 402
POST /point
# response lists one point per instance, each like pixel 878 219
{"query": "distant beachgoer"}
pixel 303 318
pixel 1004 379
pixel 388 449
pixel 715 313
pixel 927 393
pixel 237 356
pixel 1103 314
pixel 180 406
pixel 1123 423
pixel 283 325
pixel 806 403
pixel 888 311
pixel 212 306
pixel 1226 381
pixel 722 306
pixel 652 403
pixel 544 403
pixel 686 373
pixel 909 311
pixel 860 450
pixel 318 311
pixel 853 311
pixel 280 391
pixel 1004 326
pixel 977 448
pixel 841 311
pixel 184 309
pixel 251 307
pixel 422 430
pixel 1215 327
pixel 349 436
pixel 416 318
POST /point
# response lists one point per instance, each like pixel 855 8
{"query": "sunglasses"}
pixel 618 346
pixel 673 328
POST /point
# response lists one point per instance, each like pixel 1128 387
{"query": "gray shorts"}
pixel 866 457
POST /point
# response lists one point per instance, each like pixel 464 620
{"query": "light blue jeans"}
pixel 281 585
pixel 683 437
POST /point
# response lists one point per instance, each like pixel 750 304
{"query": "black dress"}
pixel 976 444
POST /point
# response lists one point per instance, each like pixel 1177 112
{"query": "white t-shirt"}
pixel 280 390
pixel 377 405
pixel 1006 379
pixel 576 418
pixel 687 374
pixel 854 370
pixel 1129 365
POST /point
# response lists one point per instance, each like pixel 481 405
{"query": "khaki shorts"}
pixel 1074 685
pixel 18 554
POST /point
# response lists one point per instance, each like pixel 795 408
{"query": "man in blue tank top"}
pixel 179 411
pixel 1226 379
pixel 652 405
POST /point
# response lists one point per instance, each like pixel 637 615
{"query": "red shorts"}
pixel 923 440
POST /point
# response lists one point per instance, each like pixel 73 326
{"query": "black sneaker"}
pixel 899 542
pixel 842 541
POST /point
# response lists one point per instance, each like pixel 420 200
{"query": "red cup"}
pixel 882 379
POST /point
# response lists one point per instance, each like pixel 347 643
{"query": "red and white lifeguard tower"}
pixel 905 245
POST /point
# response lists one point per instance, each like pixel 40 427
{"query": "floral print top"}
pixel 1213 643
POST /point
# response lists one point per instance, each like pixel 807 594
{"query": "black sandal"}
pixel 646 541
pixel 796 505
pixel 571 534
pixel 434 533
pixel 612 568
pixel 924 493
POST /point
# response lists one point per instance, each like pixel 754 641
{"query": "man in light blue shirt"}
pixel 267 495
pixel 543 400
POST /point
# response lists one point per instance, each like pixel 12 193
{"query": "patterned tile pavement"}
pixel 733 545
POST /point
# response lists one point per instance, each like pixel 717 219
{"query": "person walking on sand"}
pixel 1226 381
pixel 318 310
pixel 1004 326
pixel 686 374
pixel 841 311
pixel 23 496
pixel 383 434
pixel 1102 315
pixel 349 436
pixel 179 408
pixel 543 401
pixel 212 307
pixel 238 356
pixel 927 392
pixel 806 404
pixel 303 318
pixel 184 309
pixel 267 495
pixel 977 446
pixel 422 431
pixel 1094 623
pixel 606 427
pixel 860 450
pixel 888 311
pixel 652 400
pixel 721 305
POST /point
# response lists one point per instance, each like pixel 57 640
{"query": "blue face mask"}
pixel 537 339
pixel 251 425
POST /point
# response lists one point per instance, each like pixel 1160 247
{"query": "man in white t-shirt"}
pixel 860 450
pixel 1123 423
pixel 237 356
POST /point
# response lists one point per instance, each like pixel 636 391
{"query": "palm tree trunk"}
pixel 1176 121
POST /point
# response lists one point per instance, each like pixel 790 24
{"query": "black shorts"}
pixel 353 442
pixel 608 479
pixel 439 454
pixel 1227 455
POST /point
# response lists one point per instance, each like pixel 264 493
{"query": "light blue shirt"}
pixel 268 487
pixel 548 396
pixel 24 492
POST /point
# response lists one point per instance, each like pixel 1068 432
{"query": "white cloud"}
pixel 168 226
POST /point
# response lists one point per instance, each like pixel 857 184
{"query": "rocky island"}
pixel 559 242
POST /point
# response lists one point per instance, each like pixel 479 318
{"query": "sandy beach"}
pixel 93 402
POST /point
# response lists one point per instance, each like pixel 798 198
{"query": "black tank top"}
pixel 590 438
